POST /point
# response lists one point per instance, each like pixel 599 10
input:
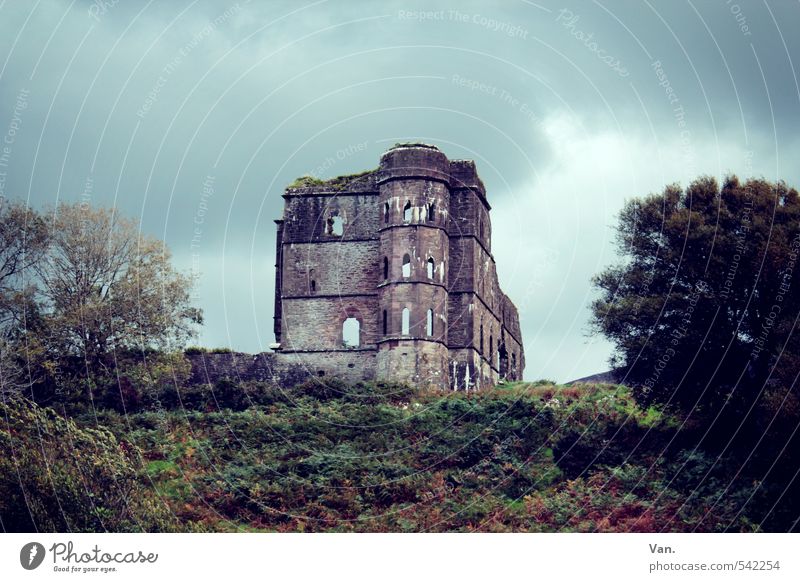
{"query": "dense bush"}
pixel 55 476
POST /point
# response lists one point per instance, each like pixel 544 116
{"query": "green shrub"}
pixel 57 477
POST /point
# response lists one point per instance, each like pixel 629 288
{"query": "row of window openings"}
pixel 351 333
pixel 430 212
pixel 406 271
pixel 430 265
pixel 405 322
pixel 351 328
pixel 335 224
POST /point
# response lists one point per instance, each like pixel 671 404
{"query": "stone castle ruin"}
pixel 389 275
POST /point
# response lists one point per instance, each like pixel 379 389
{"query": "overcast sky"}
pixel 197 114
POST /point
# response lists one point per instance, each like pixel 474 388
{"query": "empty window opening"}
pixel 429 323
pixel 406 265
pixel 481 228
pixel 337 226
pixel 351 332
pixel 406 321
pixel 431 266
pixel 432 212
pixel 386 213
pixel 313 285
pixel 385 268
pixel 407 212
pixel 481 344
pixel 491 348
pixel 502 359
pixel 385 322
pixel 513 364
pixel 334 225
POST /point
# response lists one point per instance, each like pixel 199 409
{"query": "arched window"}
pixel 431 266
pixel 407 212
pixel 313 285
pixel 386 213
pixel 491 348
pixel 385 322
pixel 406 323
pixel 338 226
pixel 502 358
pixel 406 265
pixel 385 268
pixel 334 225
pixel 481 344
pixel 351 333
pixel 429 323
pixel 432 212
pixel 481 228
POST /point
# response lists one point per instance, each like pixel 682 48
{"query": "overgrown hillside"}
pixel 331 457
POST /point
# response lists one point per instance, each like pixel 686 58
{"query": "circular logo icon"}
pixel 31 555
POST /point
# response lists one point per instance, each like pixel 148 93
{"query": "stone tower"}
pixel 414 198
pixel 389 275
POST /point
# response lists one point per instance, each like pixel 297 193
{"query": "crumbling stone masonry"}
pixel 389 275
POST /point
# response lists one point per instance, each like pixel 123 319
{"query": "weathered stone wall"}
pixel 351 365
pixel 309 215
pixel 417 362
pixel 329 271
pixel 315 323
pixel 281 369
pixel 209 368
pixel 336 269
pixel 469 217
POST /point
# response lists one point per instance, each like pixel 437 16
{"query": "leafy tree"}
pixel 23 241
pixel 106 287
pixel 705 301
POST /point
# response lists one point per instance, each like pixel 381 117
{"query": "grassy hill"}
pixel 332 457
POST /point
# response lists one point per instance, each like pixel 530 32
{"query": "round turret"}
pixel 414 204
pixel 414 161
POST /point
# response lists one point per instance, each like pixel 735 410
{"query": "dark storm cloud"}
pixel 194 115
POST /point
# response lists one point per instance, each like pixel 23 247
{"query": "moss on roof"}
pixel 337 183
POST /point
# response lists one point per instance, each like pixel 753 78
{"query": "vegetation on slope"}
pixel 522 457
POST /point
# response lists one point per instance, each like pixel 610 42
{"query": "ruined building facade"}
pixel 389 275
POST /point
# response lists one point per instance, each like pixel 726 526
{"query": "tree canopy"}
pixel 703 307
pixel 80 289
pixel 106 286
